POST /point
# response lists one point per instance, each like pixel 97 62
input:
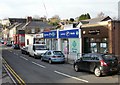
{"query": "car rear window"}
pixel 109 57
pixel 57 53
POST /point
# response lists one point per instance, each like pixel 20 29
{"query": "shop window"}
pixel 103 47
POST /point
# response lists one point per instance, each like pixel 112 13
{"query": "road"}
pixel 36 71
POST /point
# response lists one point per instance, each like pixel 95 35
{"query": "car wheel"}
pixel 50 61
pixel 29 54
pixel 97 72
pixel 76 68
pixel 25 53
pixel 35 56
pixel 41 59
pixel 22 52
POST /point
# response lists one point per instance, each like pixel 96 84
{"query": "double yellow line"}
pixel 13 73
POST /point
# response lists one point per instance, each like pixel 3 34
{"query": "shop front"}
pixel 51 39
pixel 70 41
pixel 95 39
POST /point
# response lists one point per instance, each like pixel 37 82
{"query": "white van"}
pixel 36 50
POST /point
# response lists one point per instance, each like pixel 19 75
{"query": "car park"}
pixel 24 50
pixel 53 56
pixel 100 64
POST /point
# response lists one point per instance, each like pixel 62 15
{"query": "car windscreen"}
pixel 57 53
pixel 109 57
pixel 40 47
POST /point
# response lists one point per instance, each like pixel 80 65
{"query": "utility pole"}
pixel 45 8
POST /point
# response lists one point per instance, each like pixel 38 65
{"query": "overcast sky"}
pixel 64 8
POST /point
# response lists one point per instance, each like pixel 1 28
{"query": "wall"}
pixel 30 38
pixel 116 37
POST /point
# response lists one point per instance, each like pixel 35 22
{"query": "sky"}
pixel 66 9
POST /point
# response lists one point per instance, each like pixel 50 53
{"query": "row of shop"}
pixel 102 37
pixel 64 40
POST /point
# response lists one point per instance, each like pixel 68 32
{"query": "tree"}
pixel 88 16
pixel 36 17
pixel 54 20
pixel 83 17
pixel 101 14
pixel 71 20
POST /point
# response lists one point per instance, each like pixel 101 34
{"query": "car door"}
pixel 48 55
pixel 94 62
pixel 85 61
pixel 45 56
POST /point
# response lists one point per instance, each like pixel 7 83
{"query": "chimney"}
pixel 29 18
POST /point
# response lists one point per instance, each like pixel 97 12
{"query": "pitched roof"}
pixel 20 26
pixel 19 20
pixel 95 20
pixel 39 24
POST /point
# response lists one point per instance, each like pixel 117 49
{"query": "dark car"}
pixel 53 56
pixel 8 43
pixel 100 64
pixel 16 46
pixel 2 41
pixel 24 50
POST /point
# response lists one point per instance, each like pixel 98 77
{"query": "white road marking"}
pixel 16 54
pixel 10 51
pixel 71 76
pixel 23 58
pixel 39 65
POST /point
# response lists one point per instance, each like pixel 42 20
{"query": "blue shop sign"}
pixel 51 34
pixel 74 33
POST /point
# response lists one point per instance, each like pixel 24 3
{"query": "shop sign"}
pixel 74 33
pixel 51 34
pixel 94 32
pixel 38 35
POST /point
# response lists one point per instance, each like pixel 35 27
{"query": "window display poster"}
pixel 74 45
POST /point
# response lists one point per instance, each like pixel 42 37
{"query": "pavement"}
pixel 5 77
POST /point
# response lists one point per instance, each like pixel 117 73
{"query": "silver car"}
pixel 53 56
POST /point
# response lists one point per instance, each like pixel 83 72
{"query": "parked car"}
pixel 16 46
pixel 53 56
pixel 100 64
pixel 8 43
pixel 24 50
pixel 2 41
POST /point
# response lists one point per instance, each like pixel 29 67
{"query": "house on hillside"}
pixel 33 29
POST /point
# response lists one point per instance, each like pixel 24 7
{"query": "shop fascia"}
pixel 71 33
